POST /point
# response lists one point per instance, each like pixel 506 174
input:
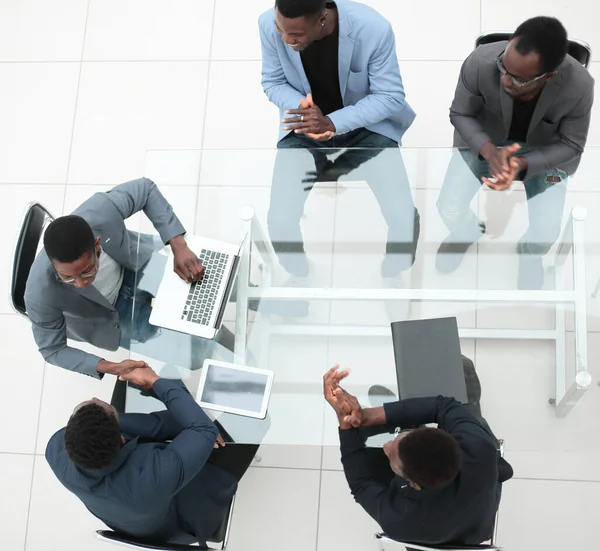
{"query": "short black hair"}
pixel 68 238
pixel 290 9
pixel 545 36
pixel 430 457
pixel 92 437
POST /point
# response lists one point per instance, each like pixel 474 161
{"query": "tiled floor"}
pixel 89 86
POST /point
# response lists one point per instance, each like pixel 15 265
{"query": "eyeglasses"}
pixel 85 275
pixel 516 82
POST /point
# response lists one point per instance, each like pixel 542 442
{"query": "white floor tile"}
pixel 421 36
pixel 57 519
pixel 549 515
pixel 173 167
pixel 251 121
pixel 576 15
pixel 288 457
pixel 34 30
pixel 125 109
pixel 275 509
pixel 63 390
pixel 19 196
pixel 249 167
pixel 21 367
pixel 37 107
pixel 237 37
pixel 430 87
pixel 358 528
pixel 15 485
pixel 148 30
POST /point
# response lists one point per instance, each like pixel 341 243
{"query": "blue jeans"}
pixel 164 345
pixel 378 161
pixel 545 202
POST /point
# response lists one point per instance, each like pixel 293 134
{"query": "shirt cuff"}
pixel 350 440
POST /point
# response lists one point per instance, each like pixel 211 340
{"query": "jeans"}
pixel 545 202
pixel 379 162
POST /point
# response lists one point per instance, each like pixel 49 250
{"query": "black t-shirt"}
pixel 320 61
pixel 521 119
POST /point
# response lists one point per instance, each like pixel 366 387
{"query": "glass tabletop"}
pixel 340 243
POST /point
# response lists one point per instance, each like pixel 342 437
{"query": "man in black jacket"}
pixel 156 475
pixel 428 485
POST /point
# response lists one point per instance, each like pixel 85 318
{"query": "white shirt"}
pixel 109 277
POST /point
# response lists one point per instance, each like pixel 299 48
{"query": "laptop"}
pixel 198 308
pixel 428 359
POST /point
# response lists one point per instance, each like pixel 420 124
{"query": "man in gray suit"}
pixel 522 108
pixel 81 286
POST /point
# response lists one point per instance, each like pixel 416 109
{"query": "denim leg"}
pixel 294 162
pixel 379 162
pixel 461 183
pixel 545 203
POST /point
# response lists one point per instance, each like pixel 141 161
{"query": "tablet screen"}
pixel 234 388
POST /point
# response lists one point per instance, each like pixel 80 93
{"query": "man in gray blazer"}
pixel 81 286
pixel 522 111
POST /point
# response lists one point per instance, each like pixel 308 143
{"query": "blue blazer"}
pixel 155 489
pixel 370 81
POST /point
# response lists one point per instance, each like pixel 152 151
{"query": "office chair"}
pixel 388 544
pixel 220 537
pixel 578 49
pixel 35 219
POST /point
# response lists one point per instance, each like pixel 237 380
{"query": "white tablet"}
pixel 235 388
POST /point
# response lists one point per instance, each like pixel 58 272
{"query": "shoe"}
pixel 450 253
pixel 379 395
pixel 531 272
pixel 398 310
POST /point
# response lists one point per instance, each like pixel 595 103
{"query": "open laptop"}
pixel 428 359
pixel 198 308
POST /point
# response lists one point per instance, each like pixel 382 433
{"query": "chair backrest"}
pixel 578 49
pixel 388 544
pixel 32 228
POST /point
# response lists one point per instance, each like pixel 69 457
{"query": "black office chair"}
pixel 35 220
pixel 220 537
pixel 578 49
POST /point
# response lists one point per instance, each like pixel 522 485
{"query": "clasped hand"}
pixel 309 120
pixel 348 410
pixel 504 167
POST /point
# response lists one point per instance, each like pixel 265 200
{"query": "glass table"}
pixel 529 346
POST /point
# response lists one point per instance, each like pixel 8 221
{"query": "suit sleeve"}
pixel 386 97
pixel 274 82
pixel 143 195
pixel 570 140
pixel 50 333
pixel 467 103
pixel 170 468
pixel 158 426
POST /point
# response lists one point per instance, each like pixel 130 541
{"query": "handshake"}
pixel 137 372
pixel 349 412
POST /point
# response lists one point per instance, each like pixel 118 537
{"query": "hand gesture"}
pixel 309 120
pixel 143 377
pixel 346 406
pixel 120 368
pixel 220 442
pixel 503 167
pixel 187 265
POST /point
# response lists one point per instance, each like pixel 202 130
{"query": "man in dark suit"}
pixel 428 485
pixel 521 112
pixel 128 475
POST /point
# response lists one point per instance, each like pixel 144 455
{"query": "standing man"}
pixel 82 284
pixel 522 108
pixel 155 475
pixel 438 486
pixel 332 70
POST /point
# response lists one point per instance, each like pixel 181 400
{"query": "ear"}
pixel 550 76
pixel 414 485
pixel 123 440
pixel 97 244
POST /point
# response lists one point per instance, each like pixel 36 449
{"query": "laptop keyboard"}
pixel 203 294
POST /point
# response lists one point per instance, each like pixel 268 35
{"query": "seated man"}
pixel 428 485
pixel 332 70
pixel 523 110
pixel 128 475
pixel 82 284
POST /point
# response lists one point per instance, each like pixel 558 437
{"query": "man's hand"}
pixel 516 165
pixel 186 264
pixel 144 377
pixel 498 158
pixel 346 406
pixel 219 442
pixel 120 368
pixel 309 120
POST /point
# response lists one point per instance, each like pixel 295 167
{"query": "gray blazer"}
pixel 58 311
pixel 482 111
